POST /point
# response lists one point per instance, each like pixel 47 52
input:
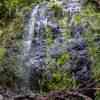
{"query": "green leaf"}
pixel 2 53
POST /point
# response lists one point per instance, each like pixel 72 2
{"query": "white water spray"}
pixel 29 34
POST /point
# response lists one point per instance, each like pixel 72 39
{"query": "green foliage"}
pixel 63 59
pixel 59 80
pixel 98 96
pixel 57 9
pixel 2 53
pixel 12 7
pixel 8 71
pixel 78 19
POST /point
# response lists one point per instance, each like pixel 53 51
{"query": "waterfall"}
pixel 28 36
pixel 38 52
pixel 26 49
pixel 80 60
pixel 34 49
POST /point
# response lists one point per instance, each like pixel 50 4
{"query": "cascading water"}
pixel 39 48
pixel 25 55
pixel 80 61
pixel 28 36
pixel 33 53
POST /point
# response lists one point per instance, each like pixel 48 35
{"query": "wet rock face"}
pixel 80 61
pixel 77 31
pixel 56 31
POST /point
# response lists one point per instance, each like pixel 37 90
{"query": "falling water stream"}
pixel 34 48
pixel 27 43
pixel 28 36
